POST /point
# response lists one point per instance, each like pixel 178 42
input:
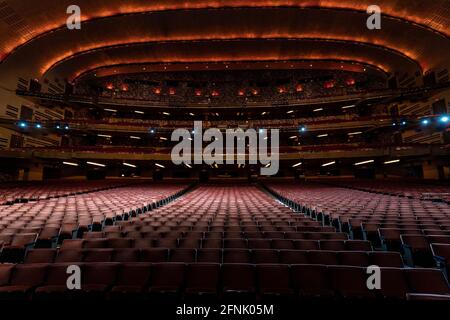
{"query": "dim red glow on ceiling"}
pixel 399 9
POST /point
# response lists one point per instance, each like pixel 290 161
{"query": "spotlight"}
pixel 444 119
pixel 22 124
pixel 66 127
pixel 403 123
pixel 38 126
pixel 58 126
pixel 152 131
pixel 302 129
pixel 425 122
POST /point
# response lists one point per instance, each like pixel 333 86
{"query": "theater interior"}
pixel 93 206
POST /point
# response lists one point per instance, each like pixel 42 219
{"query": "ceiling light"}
pixel 348 107
pixel 139 112
pixel 364 162
pixel 290 111
pixel 317 110
pixel 110 110
pixel 104 135
pixel 159 165
pixel 96 164
pixel 296 165
pixel 134 137
pixel 293 137
pixel 322 135
pixel 188 165
pixel 191 114
pixel 129 165
pixel 166 113
pixel 354 133
pixel 328 164
pixel 162 138
pixel 70 164
pixel 392 161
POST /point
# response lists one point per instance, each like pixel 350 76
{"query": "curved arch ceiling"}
pixel 233 50
pixel 156 32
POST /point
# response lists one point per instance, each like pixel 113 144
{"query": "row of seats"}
pixel 252 243
pixel 411 188
pixel 211 282
pixel 257 256
pixel 14 192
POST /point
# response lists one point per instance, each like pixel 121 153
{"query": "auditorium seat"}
pixel 311 281
pixel 182 255
pixel 98 255
pixel 262 256
pixel 40 256
pixel 69 255
pixel 307 244
pixel 283 244
pixel 293 257
pixel 441 253
pixel 236 256
pixel 154 255
pixel 393 284
pixel 351 282
pixel 386 259
pixel 23 280
pixel 353 258
pixel 125 255
pixel 419 250
pixel 166 281
pixel 202 281
pixel 131 281
pixel 97 278
pixel 429 281
pixel 54 286
pixel 274 281
pixel 209 255
pixel 238 282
